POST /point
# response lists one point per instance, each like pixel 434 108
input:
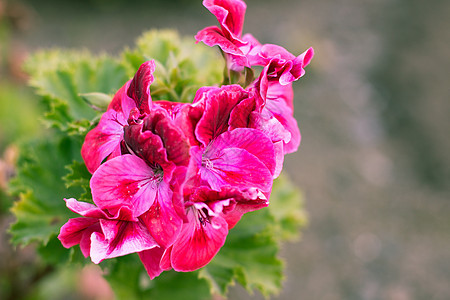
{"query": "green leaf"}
pixel 250 253
pixel 123 274
pixel 61 76
pixel 248 256
pixel 98 101
pixel 130 281
pixel 178 285
pixel 79 176
pixel 182 66
pixel 286 206
pixel 54 253
pixel 41 210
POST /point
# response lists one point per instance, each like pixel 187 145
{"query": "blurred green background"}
pixel 373 109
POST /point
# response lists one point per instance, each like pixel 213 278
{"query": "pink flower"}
pixel 104 140
pixel 146 180
pixel 279 64
pixel 242 158
pixel 230 14
pixel 246 51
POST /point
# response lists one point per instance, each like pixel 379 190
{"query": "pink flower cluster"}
pixel 170 179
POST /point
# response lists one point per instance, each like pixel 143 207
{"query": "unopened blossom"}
pixel 230 14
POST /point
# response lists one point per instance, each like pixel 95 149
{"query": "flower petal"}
pixel 139 89
pixel 124 181
pixel 75 230
pixel 151 260
pixel 149 146
pixel 281 111
pixel 198 242
pixel 172 137
pixel 213 36
pixel 253 141
pixel 120 238
pixel 218 105
pixel 229 13
pixel 235 167
pixel 162 220
pixel 103 140
pixel 90 210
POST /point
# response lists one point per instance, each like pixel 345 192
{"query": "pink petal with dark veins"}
pixel 235 167
pixel 218 105
pixel 120 238
pixel 139 89
pixel 198 242
pixel 125 181
pixel 253 141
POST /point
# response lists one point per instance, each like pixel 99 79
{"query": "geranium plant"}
pixel 162 156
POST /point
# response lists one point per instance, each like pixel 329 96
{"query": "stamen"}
pixel 207 163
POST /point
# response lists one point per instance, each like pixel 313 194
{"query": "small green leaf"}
pixel 79 176
pixel 130 281
pixel 179 285
pixel 98 101
pixel 286 206
pixel 41 210
pixel 182 67
pixel 61 76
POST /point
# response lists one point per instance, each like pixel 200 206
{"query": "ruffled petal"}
pixel 103 140
pixel 120 238
pixel 90 210
pixel 174 141
pixel 283 113
pixel 139 89
pixel 213 36
pixel 72 232
pixel 125 181
pixel 218 105
pixel 229 13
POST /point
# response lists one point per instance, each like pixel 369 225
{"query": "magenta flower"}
pixel 243 158
pixel 279 64
pixel 145 181
pixel 230 14
pixel 104 140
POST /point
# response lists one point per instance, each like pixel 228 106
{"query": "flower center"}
pixel 207 163
pixel 202 216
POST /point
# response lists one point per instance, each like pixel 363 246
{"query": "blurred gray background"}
pixel 374 112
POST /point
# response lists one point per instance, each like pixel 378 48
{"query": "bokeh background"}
pixel 373 109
